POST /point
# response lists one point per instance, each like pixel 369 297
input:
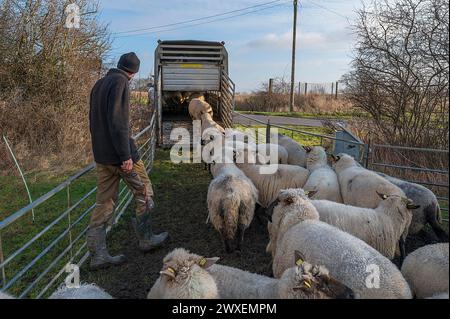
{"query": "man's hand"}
pixel 127 166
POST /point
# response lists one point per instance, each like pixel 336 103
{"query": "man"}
pixel 117 158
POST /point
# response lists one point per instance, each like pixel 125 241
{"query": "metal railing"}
pixel 28 272
pixel 366 159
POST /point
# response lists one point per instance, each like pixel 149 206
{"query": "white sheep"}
pixel 302 281
pixel 266 152
pixel 296 152
pixel 322 178
pixel 202 278
pixel 85 291
pixel 429 210
pixel 199 106
pixel 269 185
pixel 426 270
pixel 384 228
pixel 5 296
pixel 185 276
pixel 231 204
pixel 359 185
pixel 295 205
pixel 349 259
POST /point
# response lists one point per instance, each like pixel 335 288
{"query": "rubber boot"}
pixel 147 239
pixel 100 258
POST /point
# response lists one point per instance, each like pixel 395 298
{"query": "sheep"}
pixel 296 152
pixel 268 151
pixel 5 296
pixel 296 207
pixel 208 123
pixel 269 185
pixel 383 228
pixel 349 259
pixel 185 276
pixel 199 106
pixel 231 204
pixel 359 185
pixel 429 211
pixel 302 281
pixel 426 270
pixel 322 178
pixel 85 291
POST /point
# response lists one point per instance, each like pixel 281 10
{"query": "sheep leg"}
pixel 432 217
pixel 240 236
pixel 402 246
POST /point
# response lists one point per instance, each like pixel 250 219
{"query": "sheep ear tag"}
pixel 310 194
pixel 207 262
pixel 382 196
pixel 299 258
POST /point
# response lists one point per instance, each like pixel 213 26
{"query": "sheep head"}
pixel 316 156
pixel 182 269
pixel 342 161
pixel 291 207
pixel 308 281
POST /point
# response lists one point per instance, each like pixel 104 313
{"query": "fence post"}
pixel 332 88
pixel 299 88
pixel 270 86
pixel 306 88
pixel 268 132
pixel 336 95
pixel 367 151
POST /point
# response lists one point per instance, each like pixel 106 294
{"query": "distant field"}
pixel 320 115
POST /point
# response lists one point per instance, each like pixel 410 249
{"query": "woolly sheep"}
pixel 303 281
pixel 359 185
pixel 349 259
pixel 322 178
pixel 269 185
pixel 426 270
pixel 296 152
pixel 208 122
pixel 85 291
pixel 5 296
pixel 429 210
pixel 231 204
pixel 296 207
pixel 383 228
pixel 268 151
pixel 185 276
pixel 199 106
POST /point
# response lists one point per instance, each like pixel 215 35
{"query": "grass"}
pixel 303 138
pixel 317 115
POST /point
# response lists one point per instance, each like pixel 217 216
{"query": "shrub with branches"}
pixel 46 74
pixel 400 70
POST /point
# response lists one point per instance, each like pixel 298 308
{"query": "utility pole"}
pixel 294 35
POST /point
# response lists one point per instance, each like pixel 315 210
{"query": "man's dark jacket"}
pixel 109 120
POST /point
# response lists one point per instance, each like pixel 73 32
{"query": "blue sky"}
pixel 259 44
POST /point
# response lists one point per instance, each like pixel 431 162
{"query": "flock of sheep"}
pixel 333 229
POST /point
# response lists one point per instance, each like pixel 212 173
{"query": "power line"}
pixel 202 23
pixel 329 10
pixel 198 19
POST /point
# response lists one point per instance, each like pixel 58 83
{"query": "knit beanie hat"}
pixel 129 62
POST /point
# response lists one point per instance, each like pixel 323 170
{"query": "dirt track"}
pixel 181 209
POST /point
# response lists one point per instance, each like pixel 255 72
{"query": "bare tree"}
pixel 400 70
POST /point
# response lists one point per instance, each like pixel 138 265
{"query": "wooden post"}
pixel 332 88
pixel 299 88
pixel 306 88
pixel 294 35
pixel 270 86
pixel 336 96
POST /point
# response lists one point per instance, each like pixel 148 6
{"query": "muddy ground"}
pixel 181 209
